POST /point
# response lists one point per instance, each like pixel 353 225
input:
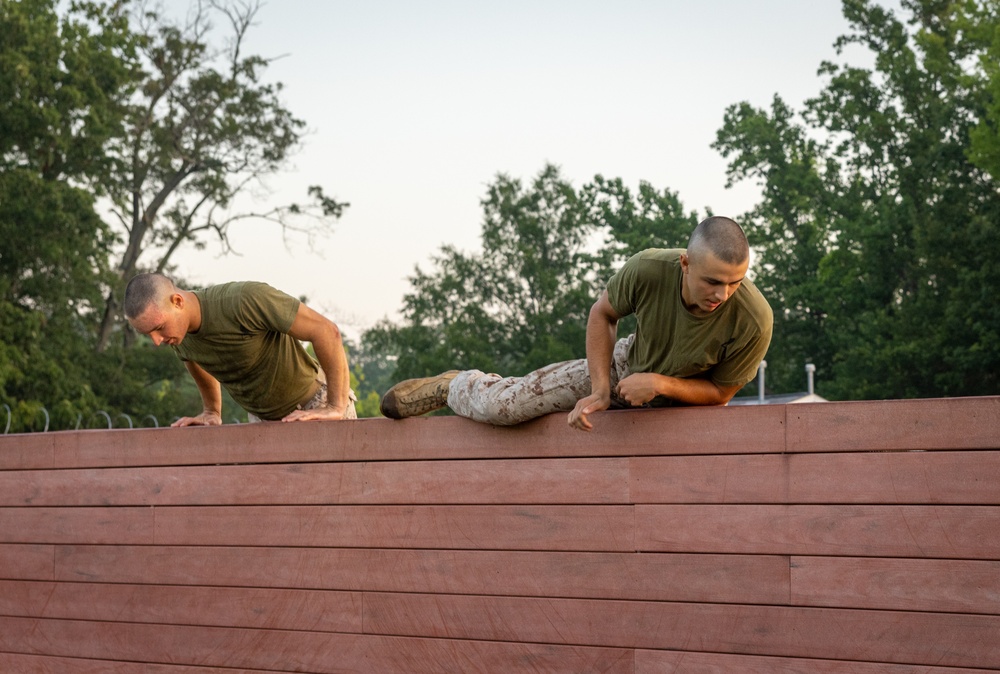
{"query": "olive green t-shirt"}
pixel 725 346
pixel 243 342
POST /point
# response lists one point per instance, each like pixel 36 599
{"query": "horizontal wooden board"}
pixel 680 662
pixel 589 528
pixel 946 532
pixel 43 664
pixel 920 477
pixel 894 425
pixel 945 639
pixel 260 608
pixel 316 652
pixel 26 562
pixel 660 431
pixel 900 584
pixel 128 526
pixel 655 576
pixel 412 482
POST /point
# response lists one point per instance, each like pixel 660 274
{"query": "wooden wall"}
pixel 841 537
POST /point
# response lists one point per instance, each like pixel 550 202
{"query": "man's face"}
pixel 708 281
pixel 165 324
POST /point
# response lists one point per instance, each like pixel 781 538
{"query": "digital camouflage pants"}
pixel 504 401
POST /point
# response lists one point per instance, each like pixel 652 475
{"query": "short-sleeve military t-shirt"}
pixel 243 342
pixel 725 346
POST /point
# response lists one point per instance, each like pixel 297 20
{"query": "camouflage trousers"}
pixel 504 401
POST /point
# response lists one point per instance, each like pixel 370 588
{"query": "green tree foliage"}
pixel 203 128
pixel 519 304
pixel 875 227
pixel 61 85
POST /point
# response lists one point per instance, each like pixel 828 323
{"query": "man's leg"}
pixel 493 399
pixel 504 401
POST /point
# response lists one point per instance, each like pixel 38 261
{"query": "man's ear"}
pixel 177 301
pixel 685 263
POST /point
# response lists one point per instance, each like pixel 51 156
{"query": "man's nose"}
pixel 157 340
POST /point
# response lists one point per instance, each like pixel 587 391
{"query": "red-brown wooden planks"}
pixel 26 562
pixel 261 608
pixel 591 528
pixel 299 651
pixel 128 526
pixel 411 482
pixel 961 586
pixel 949 532
pixel 662 431
pixel 718 578
pixel 41 664
pixel 886 477
pixel 948 423
pixel 681 662
pixel 946 639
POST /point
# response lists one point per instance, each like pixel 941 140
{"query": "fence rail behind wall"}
pixel 837 537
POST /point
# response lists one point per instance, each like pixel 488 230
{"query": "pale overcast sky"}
pixel 414 107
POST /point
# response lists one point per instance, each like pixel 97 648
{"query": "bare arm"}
pixel 310 326
pixel 640 388
pixel 211 397
pixel 602 330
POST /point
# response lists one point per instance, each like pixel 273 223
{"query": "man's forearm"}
pixel 691 391
pixel 332 358
pixel 600 352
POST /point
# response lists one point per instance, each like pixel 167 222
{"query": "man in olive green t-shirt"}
pixel 245 336
pixel 702 331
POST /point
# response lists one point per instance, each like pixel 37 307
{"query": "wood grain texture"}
pixel 42 664
pixel 129 526
pixel 948 532
pixel 260 608
pixel 660 431
pixel 960 586
pixel 895 425
pixel 27 562
pixel 843 537
pixel 589 528
pixel 499 481
pixel 321 653
pixel 946 639
pixel 681 662
pixel 965 477
pixel 666 577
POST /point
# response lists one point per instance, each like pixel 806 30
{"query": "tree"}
pixel 204 129
pixel 62 81
pixel 874 226
pixel 520 304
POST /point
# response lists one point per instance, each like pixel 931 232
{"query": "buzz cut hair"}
pixel 143 291
pixel 721 236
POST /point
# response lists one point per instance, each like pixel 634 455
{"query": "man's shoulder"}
pixel 753 302
pixel 658 256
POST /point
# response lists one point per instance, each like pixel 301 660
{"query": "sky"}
pixel 414 107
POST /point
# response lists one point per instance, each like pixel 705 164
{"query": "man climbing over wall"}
pixel 702 331
pixel 245 336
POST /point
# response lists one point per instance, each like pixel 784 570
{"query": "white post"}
pixel 760 382
pixel 810 369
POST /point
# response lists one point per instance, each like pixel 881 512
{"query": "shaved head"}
pixel 143 291
pixel 722 237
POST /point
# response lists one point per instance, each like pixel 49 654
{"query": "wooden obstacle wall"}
pixel 857 537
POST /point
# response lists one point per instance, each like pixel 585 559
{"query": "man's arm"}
pixel 602 330
pixel 310 326
pixel 638 389
pixel 211 397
